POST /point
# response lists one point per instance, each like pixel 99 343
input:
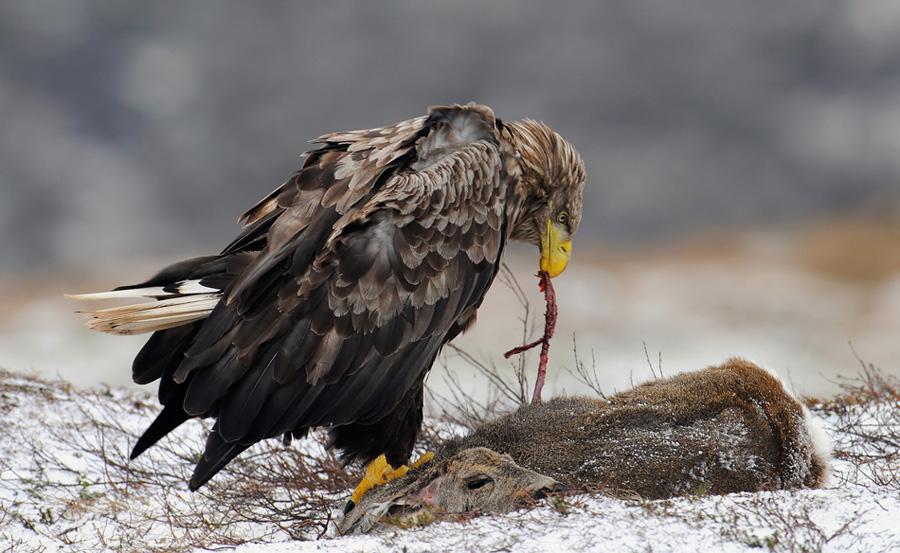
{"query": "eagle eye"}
pixel 562 218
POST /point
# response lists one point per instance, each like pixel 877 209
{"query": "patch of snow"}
pixel 66 485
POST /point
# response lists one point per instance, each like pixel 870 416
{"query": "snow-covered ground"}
pixel 66 485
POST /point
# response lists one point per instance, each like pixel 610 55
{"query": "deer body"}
pixel 724 429
pixel 719 430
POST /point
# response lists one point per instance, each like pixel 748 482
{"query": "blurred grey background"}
pixel 130 126
pixel 141 130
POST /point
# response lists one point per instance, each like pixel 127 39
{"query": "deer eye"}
pixel 562 218
pixel 479 482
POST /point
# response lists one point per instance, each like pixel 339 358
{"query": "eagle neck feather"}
pixel 525 146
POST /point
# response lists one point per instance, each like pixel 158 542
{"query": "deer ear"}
pixel 426 495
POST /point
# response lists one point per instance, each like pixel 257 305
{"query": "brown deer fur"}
pixel 723 429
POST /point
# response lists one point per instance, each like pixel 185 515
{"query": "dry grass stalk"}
pixel 866 426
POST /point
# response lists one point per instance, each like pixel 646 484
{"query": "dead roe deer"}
pixel 728 428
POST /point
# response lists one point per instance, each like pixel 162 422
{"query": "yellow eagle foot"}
pixel 427 456
pixel 379 472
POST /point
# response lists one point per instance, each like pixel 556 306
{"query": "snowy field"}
pixel 66 485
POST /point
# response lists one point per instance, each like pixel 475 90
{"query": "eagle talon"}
pixel 349 506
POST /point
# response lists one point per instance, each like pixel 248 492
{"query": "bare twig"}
pixel 657 371
pixel 864 425
pixel 583 375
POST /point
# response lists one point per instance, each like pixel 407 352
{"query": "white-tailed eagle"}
pixel 330 307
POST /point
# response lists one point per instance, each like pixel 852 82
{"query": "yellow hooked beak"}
pixel 554 254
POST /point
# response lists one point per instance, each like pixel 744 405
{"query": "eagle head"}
pixel 550 182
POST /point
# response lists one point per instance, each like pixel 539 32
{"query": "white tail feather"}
pixel 185 288
pixel 192 302
pixel 155 292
